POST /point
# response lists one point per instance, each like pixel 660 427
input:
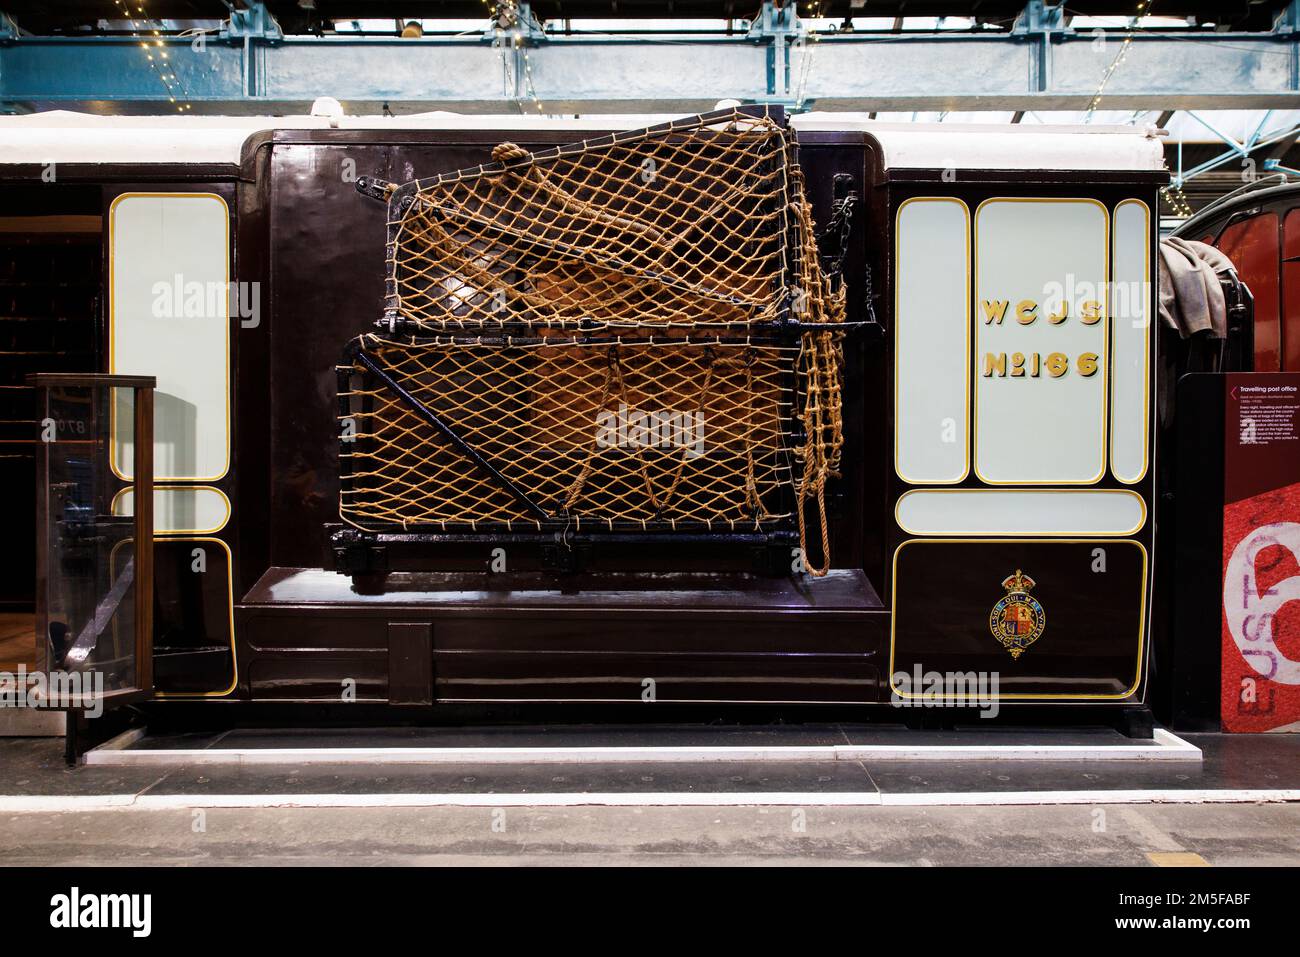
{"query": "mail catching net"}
pixel 627 333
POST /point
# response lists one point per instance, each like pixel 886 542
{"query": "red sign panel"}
pixel 1261 553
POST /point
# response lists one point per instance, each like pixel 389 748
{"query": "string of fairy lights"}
pixel 1176 198
pixel 509 37
pixel 1143 9
pixel 529 89
pixel 517 45
pixel 1173 193
pixel 810 40
pixel 150 39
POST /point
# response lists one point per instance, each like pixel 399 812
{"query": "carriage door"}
pixel 1023 386
pixel 171 310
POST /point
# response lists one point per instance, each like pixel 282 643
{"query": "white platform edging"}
pixel 1167 747
pixel 56 804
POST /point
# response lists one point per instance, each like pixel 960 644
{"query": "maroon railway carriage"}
pixel 984 387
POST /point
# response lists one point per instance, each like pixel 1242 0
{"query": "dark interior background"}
pixel 50 288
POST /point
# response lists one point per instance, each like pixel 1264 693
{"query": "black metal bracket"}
pixel 375 188
pixel 356 554
pixel 564 556
pixel 772 559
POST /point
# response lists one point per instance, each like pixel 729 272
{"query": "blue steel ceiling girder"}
pixel 1236 150
pixel 1040 24
pixel 251 67
pixel 774 28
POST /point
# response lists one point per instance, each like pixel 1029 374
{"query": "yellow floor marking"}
pixel 1176 859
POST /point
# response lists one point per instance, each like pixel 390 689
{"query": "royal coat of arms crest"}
pixel 1017 620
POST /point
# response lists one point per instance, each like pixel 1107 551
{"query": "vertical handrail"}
pixel 43 663
pixel 143 494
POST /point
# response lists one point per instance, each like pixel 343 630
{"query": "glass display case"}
pixel 94 568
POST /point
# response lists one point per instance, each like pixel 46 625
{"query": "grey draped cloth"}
pixel 1191 299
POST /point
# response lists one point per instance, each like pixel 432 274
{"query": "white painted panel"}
pixel 1036 427
pixel 1131 336
pixel 168 310
pixel 1021 512
pixel 932 341
pixel 197 511
pixel 963 146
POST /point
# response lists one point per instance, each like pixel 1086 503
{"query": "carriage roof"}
pixel 67 137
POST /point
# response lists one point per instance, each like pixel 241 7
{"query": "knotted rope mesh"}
pixel 625 333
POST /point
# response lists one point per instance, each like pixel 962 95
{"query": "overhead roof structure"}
pixel 1223 78
pixel 296 16
pixel 153 54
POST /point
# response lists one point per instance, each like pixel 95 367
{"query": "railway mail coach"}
pixel 730 408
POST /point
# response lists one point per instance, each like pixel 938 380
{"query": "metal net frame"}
pixel 628 333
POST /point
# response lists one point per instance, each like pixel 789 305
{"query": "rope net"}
pixel 626 333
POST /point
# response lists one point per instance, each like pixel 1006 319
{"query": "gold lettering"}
pixel 1032 364
pixel 995 310
pixel 1026 311
pixel 1090 312
pixel 1056 318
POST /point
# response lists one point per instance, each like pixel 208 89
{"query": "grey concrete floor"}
pixel 1119 834
pixel 1218 835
